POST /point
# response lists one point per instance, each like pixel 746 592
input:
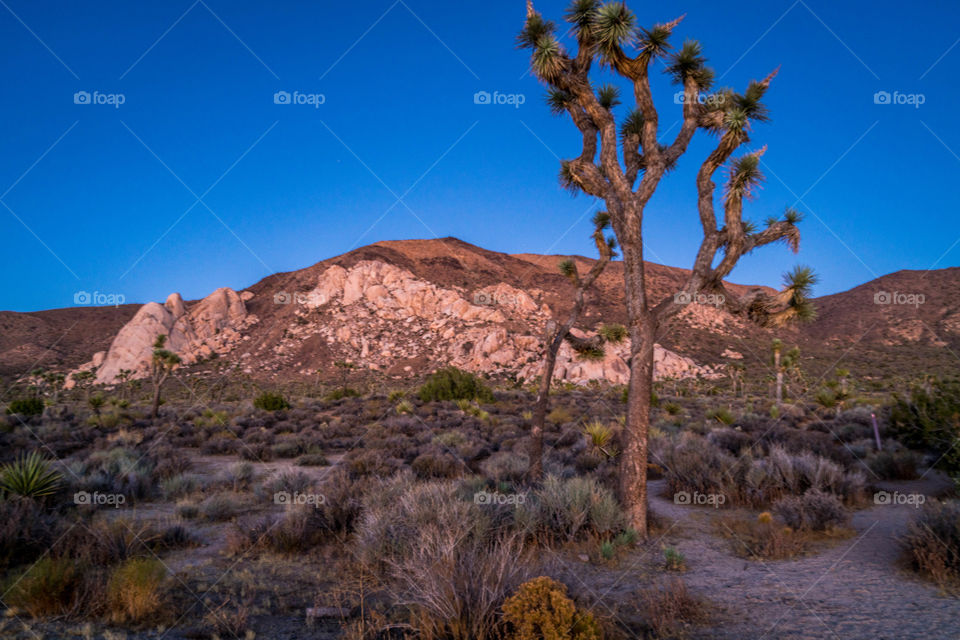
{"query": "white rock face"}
pixel 213 325
pixel 386 316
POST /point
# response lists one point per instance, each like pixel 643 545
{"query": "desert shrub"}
pixel 49 587
pixel 134 589
pixel 220 507
pixel 451 383
pixel 541 610
pixel 268 401
pixel 932 542
pixel 560 415
pixel 721 415
pixel 179 486
pixel 670 607
pixel 26 407
pixel 813 511
pixel 763 538
pixel 436 464
pixel 894 465
pixel 105 542
pixel 930 420
pixel 730 440
pixel 31 476
pixel 673 560
pixel 505 466
pixel 565 510
pixel 372 462
pixel 26 531
pixel 312 460
pixel 118 470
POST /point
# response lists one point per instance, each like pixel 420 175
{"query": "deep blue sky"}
pixel 284 186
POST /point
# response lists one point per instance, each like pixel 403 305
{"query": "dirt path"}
pixel 851 590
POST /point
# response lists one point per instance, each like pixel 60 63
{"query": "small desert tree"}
pixel 162 365
pixel 557 333
pixel 624 164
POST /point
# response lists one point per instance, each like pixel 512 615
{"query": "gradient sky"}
pixel 200 180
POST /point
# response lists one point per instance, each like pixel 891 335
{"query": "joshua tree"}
pixel 791 304
pixel 735 371
pixel 83 380
pixel 162 365
pixel 783 363
pixel 124 377
pixel 345 367
pixel 556 334
pixel 607 35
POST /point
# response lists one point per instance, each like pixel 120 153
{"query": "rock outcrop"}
pixel 213 325
pixel 383 317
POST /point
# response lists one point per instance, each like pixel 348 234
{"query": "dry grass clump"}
pixel 670 607
pixel 932 543
pixel 134 590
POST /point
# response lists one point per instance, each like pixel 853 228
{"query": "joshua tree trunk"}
pixel 156 397
pixel 633 460
pixel 779 370
pixel 540 409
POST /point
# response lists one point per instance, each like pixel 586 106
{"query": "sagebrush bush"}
pixel 26 531
pixel 541 610
pixel 453 384
pixel 813 511
pixel 565 510
pixel 269 401
pixel 894 465
pixel 134 590
pixel 932 542
pixel 670 607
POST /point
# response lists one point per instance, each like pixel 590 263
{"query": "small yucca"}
pixel 30 477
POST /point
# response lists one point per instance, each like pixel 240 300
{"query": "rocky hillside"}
pixel 406 307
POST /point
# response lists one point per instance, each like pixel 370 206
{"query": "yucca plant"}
pixel 31 476
pixel 600 436
pixel 625 170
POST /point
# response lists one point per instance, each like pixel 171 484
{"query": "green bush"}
pixel 932 542
pixel 271 402
pixel 26 407
pixel 49 587
pixel 930 420
pixel 452 384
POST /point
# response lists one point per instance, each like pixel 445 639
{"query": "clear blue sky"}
pixel 98 197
